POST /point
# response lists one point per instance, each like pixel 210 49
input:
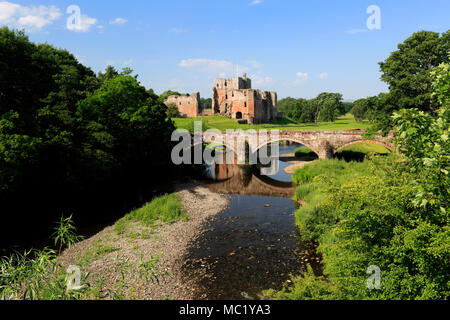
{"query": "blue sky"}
pixel 297 48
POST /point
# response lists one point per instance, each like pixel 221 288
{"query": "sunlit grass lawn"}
pixel 366 148
pixel 346 122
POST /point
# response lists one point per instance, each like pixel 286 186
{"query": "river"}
pixel 254 244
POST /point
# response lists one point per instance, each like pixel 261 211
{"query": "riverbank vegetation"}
pixel 164 209
pixel 387 213
pixel 43 275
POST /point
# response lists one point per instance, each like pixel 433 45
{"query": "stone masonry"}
pixel 188 105
pixel 323 143
pixel 236 99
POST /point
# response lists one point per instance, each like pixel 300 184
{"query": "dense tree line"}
pixel 325 107
pixel 70 138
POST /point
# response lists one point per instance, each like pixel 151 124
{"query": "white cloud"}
pixel 216 67
pixel 255 64
pixel 323 75
pixel 302 75
pixel 301 78
pixel 84 24
pixel 29 18
pixel 255 2
pixel 128 62
pixel 178 30
pixel 261 81
pixel 118 21
pixel 355 31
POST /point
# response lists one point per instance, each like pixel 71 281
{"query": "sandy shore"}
pixel 297 163
pixel 107 255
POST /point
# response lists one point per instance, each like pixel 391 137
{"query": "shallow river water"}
pixel 254 244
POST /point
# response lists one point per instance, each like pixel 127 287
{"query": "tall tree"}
pixel 408 70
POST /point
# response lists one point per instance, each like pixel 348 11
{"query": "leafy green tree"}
pixel 206 103
pixel 172 111
pixel 408 70
pixel 329 106
pixel 346 107
pixel 70 140
pixel 110 72
pixel 169 93
pixel 287 106
pixel 134 118
pixel 359 110
pixel 394 216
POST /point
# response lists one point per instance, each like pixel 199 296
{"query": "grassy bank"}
pixel 43 275
pixel 304 152
pixel 223 123
pixel 360 151
pixel 364 217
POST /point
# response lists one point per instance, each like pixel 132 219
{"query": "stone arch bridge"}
pixel 323 142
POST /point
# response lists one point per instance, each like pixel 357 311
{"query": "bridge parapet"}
pixel 323 142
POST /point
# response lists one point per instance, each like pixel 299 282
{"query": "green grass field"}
pixel 366 148
pixel 223 123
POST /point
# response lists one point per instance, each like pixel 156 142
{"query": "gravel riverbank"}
pixel 107 255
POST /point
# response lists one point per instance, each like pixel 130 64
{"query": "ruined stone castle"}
pixel 189 105
pixel 236 99
pixel 233 98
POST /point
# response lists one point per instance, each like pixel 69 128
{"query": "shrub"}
pixel 172 111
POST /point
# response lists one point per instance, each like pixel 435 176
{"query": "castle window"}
pixel 245 104
pixel 239 115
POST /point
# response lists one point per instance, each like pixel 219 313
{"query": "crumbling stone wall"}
pixel 236 99
pixel 189 105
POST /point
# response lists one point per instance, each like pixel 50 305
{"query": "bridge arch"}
pixel 290 140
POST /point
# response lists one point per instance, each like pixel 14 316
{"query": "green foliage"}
pixel 65 233
pixel 206 103
pixel 409 74
pixel 148 269
pixel 325 107
pixel 163 97
pixel 35 275
pixel 167 209
pixel 408 70
pixel 393 216
pixel 364 215
pixel 306 287
pixel 361 151
pixel 190 126
pixel 98 250
pixel 69 138
pixel 172 111
pixel 305 152
pixel 110 72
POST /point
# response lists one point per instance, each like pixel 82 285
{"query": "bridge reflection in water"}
pixel 247 180
pixel 254 244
